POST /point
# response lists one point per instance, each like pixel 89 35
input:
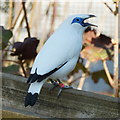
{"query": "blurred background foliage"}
pixel 25 26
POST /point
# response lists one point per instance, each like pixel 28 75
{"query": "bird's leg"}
pixel 62 87
pixel 54 83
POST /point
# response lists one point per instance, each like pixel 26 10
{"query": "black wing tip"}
pixel 29 79
pixel 36 77
pixel 31 99
pixel 33 77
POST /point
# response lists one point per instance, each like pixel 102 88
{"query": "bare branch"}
pixel 18 62
pixel 11 61
pixel 10 14
pixel 21 64
pixel 82 79
pixel 25 15
pixel 15 21
pixel 108 74
pixel 109 7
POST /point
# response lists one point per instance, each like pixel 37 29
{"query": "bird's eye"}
pixel 77 19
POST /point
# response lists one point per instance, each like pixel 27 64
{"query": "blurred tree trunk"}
pixel 10 14
pixel 116 51
pixel 116 44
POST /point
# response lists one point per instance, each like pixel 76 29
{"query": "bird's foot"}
pixel 63 87
pixel 55 84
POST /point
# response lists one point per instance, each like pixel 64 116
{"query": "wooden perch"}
pixel 71 104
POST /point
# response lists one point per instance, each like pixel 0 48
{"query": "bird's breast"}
pixel 65 70
pixel 62 46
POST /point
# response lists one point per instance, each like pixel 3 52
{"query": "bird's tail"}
pixel 33 93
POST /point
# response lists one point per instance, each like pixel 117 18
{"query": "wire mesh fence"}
pixel 44 17
pixel 37 14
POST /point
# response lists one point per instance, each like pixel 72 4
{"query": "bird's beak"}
pixel 89 24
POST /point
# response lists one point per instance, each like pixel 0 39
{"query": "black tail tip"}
pixel 31 99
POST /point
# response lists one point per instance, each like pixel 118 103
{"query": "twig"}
pixel 116 8
pixel 10 43
pixel 20 20
pixel 82 79
pixel 109 7
pixel 10 13
pixel 15 21
pixel 18 62
pixel 71 80
pixel 108 74
pixel 11 61
pixel 21 64
pixel 25 15
pixel 34 5
pixel 7 50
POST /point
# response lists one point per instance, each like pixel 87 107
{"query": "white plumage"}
pixel 64 45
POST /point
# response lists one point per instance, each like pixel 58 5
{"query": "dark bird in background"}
pixel 25 50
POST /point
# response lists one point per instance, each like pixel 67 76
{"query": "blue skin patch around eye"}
pixel 80 21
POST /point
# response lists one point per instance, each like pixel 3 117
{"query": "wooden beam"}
pixel 71 104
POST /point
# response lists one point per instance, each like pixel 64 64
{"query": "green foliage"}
pixel 13 69
pixel 5 35
pixel 93 54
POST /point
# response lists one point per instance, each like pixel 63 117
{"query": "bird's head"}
pixel 79 20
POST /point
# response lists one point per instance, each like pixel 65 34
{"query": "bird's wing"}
pixel 55 53
pixel 35 76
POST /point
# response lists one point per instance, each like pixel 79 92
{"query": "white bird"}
pixel 58 56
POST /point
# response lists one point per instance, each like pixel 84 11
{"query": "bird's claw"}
pixel 55 85
pixel 61 85
pixel 62 88
pixel 59 92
